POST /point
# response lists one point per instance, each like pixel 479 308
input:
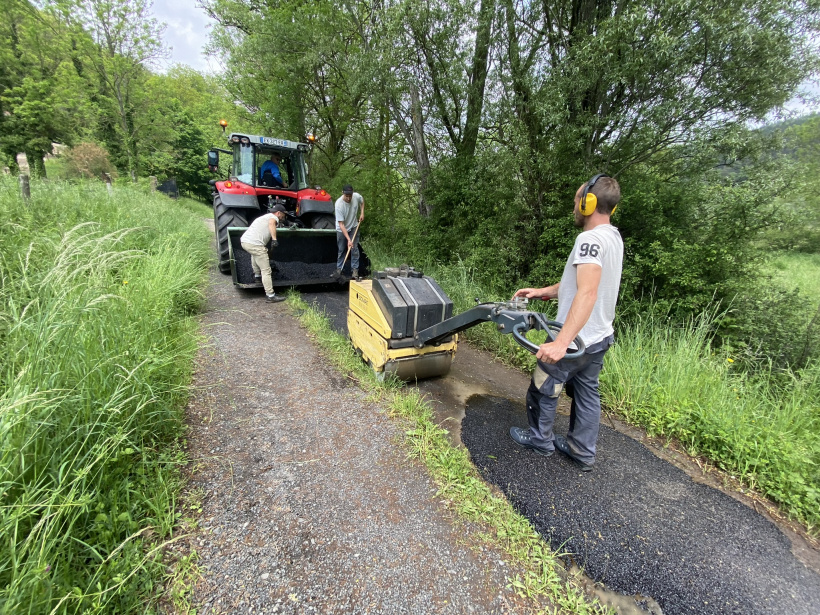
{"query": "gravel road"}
pixel 638 523
pixel 309 503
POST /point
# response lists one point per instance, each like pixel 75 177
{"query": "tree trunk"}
pixel 126 133
pixel 36 165
pixel 388 172
pixel 478 79
pixel 420 149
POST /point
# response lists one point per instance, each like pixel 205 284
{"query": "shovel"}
pixel 341 276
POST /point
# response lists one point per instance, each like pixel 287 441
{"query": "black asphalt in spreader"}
pixel 294 272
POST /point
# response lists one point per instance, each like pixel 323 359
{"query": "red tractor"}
pixel 307 241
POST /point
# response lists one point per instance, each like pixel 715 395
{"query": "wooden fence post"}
pixel 107 177
pixel 153 179
pixel 25 188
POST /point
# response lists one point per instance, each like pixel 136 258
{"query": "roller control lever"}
pixel 510 317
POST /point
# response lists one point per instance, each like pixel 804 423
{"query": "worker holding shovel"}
pixel 349 215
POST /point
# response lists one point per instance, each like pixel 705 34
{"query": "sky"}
pixel 187 29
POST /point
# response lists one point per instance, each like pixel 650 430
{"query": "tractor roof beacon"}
pixel 307 241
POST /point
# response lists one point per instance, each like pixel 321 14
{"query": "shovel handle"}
pixel 349 247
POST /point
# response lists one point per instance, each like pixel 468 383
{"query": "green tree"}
pixel 175 145
pixel 597 84
pixel 205 98
pixel 124 42
pixel 295 67
pixel 659 89
pixel 36 93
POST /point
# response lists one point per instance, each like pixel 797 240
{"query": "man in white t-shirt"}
pixel 349 214
pixel 255 240
pixel 587 294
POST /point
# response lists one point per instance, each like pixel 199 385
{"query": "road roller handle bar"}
pixel 509 317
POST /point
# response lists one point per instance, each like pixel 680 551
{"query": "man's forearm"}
pixel 549 292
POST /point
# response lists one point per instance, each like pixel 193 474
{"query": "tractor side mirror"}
pixel 213 160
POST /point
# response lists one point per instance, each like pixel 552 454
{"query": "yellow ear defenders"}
pixel 588 200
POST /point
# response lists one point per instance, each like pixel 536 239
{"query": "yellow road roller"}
pixel 402 323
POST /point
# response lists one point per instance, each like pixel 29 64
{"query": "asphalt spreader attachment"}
pixel 402 323
pixel 304 257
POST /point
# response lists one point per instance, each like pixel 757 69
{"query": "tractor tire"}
pixel 323 221
pixel 223 218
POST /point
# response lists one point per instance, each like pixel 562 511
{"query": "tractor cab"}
pixel 267 171
pixel 252 156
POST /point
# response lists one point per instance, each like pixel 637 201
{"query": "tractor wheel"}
pixel 323 221
pixel 223 218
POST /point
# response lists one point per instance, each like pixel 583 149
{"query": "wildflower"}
pixel 124 282
pixel 730 359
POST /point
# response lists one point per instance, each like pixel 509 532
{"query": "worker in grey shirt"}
pixel 349 214
pixel 255 240
pixel 587 294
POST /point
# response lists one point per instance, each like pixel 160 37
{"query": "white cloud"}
pixel 187 29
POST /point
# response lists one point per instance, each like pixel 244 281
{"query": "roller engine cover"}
pixel 410 302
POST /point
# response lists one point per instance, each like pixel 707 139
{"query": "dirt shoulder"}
pixel 308 501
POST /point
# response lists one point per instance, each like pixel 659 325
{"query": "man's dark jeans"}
pixel 341 244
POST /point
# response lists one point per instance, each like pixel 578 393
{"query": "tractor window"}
pixel 243 163
pixel 291 167
pixel 297 170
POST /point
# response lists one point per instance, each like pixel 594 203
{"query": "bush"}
pixel 88 161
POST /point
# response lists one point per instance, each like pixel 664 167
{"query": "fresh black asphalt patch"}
pixel 639 524
pixel 636 523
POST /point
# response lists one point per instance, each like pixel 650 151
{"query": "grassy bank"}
pixel 459 485
pixel 97 298
pixel 799 270
pixel 760 430
pixel 667 379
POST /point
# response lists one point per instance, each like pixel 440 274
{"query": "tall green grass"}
pixel 799 270
pixel 764 432
pixel 97 294
pixel 668 379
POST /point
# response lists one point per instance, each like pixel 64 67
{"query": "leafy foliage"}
pixel 80 72
pixel 35 104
